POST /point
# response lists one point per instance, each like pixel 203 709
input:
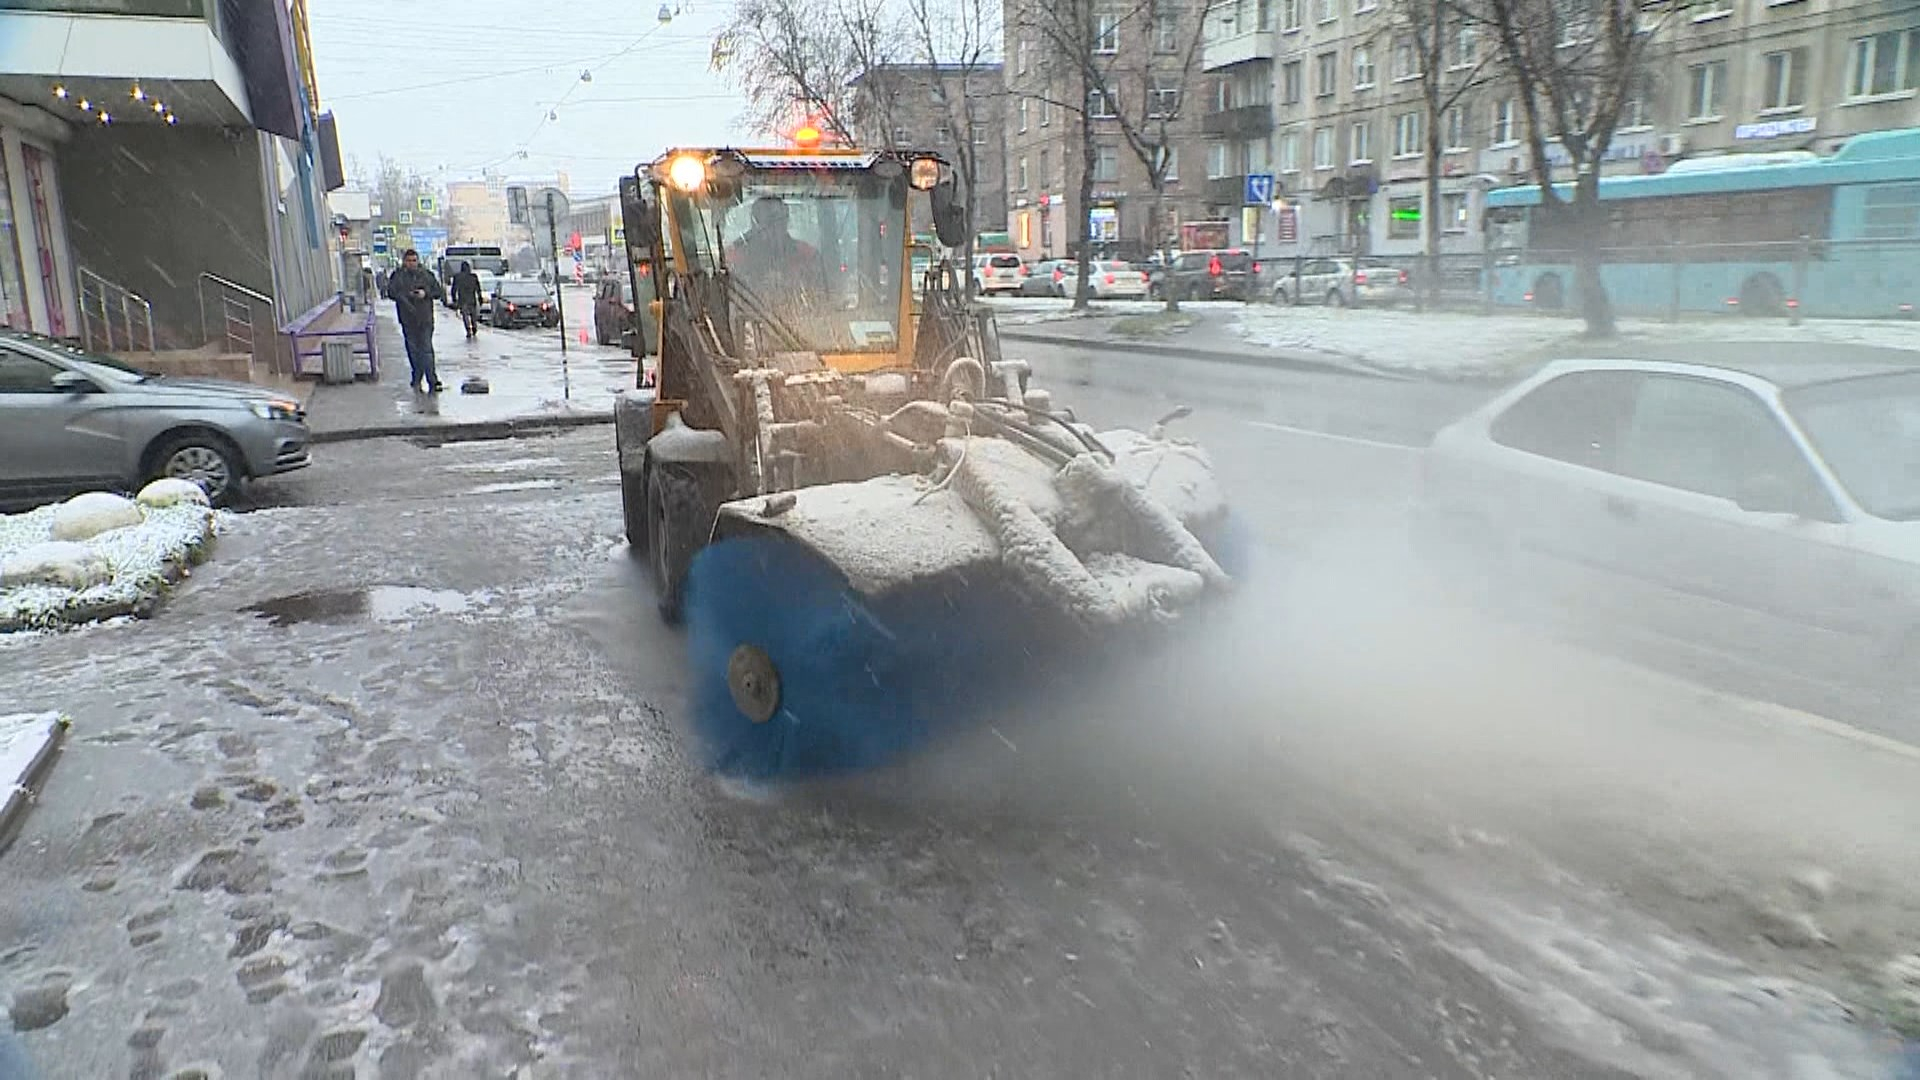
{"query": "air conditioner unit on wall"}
pixel 1673 145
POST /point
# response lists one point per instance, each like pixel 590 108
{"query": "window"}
pixel 1712 9
pixel 1575 418
pixel 1046 170
pixel 1290 14
pixel 1255 152
pixel 1456 128
pixel 1403 218
pixel 1022 176
pixel 1166 29
pixel 1219 161
pixel 1453 212
pixel 1106 33
pixel 1323 148
pixel 23 374
pixel 942 136
pixel 1290 152
pixel 1406 60
pixel 1020 107
pixel 1163 98
pixel 1785 87
pixel 1706 84
pixel 1290 78
pixel 1633 113
pixel 1046 112
pixel 1883 64
pixel 1362 67
pixel 1326 72
pixel 1023 55
pixel 903 137
pixel 1576 22
pixel 1362 143
pixel 1100 105
pixel 1406 135
pixel 1892 212
pixel 1463 45
pixel 1501 133
pixel 1327 10
pixel 1173 163
pixel 1365 5
pixel 1706 437
pixel 1106 164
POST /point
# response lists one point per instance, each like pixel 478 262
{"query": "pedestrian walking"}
pixel 414 291
pixel 466 297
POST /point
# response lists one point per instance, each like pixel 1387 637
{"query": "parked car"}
pixel 1764 514
pixel 614 309
pixel 1340 283
pixel 1043 279
pixel 71 420
pixel 998 274
pixel 523 302
pixel 1226 273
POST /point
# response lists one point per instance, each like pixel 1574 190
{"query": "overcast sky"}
pixel 454 86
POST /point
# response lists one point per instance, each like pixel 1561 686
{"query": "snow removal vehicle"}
pixel 870 521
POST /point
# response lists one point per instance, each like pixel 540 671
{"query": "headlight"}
pixel 275 409
pixel 687 172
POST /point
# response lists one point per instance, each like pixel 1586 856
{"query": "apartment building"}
pixel 163 161
pixel 1144 47
pixel 1347 140
pixel 906 106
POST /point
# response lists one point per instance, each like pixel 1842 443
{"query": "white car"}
pixel 1765 515
pixel 998 274
pixel 1110 280
pixel 1338 283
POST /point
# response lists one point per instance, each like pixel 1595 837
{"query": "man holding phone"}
pixel 414 291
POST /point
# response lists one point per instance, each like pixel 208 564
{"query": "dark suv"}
pixel 1226 274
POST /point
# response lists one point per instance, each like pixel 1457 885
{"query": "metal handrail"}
pixel 95 288
pixel 236 314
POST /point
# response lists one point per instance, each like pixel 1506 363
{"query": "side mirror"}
pixel 639 215
pixel 72 382
pixel 950 222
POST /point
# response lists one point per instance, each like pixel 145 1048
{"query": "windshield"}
pixel 1868 431
pixel 813 258
pixel 95 365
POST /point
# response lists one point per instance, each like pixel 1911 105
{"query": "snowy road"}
pixel 397 786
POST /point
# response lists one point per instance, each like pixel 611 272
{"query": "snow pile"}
pixel 1027 310
pixel 84 517
pixel 45 581
pixel 1468 345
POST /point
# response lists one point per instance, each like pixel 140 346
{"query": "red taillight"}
pixel 1528 297
pixel 1792 304
pixel 1733 301
pixel 1023 270
pixel 1145 277
pixel 511 307
pixel 1109 279
pixel 1360 277
pixel 1403 277
pixel 1214 267
pixel 1057 275
pixel 1256 268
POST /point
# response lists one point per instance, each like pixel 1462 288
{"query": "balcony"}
pixel 1240 48
pixel 1227 190
pixel 1247 121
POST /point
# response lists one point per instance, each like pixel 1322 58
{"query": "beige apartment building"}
pixel 1144 46
pixel 477 209
pixel 1346 146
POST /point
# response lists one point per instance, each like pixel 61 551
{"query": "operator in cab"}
pixel 778 275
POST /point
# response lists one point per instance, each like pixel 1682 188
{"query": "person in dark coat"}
pixel 414 291
pixel 466 297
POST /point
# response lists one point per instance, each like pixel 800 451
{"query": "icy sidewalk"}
pixel 528 380
pixel 1446 344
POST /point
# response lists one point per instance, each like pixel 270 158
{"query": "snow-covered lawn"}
pixel 1468 345
pixel 45 582
pixel 1027 310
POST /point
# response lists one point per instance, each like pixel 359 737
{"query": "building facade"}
pixel 1347 148
pixel 168 156
pixel 917 106
pixel 1145 50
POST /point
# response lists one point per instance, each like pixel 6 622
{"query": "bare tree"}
pixel 1083 52
pixel 1444 37
pixel 1574 66
pixel 801 59
pixel 958 39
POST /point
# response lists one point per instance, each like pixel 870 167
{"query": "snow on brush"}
pixel 46 582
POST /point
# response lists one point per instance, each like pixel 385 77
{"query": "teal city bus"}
pixel 1764 234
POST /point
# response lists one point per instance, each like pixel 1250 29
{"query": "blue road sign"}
pixel 1259 189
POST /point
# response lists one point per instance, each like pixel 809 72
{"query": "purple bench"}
pixel 330 321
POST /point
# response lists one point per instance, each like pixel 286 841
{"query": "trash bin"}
pixel 336 362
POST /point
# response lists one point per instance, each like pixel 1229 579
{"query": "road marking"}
pixel 1353 439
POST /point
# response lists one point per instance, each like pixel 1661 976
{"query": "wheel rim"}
pixel 754 683
pixel 204 466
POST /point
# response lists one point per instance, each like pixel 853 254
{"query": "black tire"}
pixel 1761 297
pixel 1281 296
pixel 1548 293
pixel 633 501
pixel 206 458
pixel 1336 298
pixel 674 536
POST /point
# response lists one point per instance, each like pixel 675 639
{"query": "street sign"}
pixel 1289 223
pixel 1259 189
pixel 426 204
pixel 429 242
pixel 406 217
pixel 517 205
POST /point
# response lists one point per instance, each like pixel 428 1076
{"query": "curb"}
pixel 1291 361
pixel 20 797
pixel 472 429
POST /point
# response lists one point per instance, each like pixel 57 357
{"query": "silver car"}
pixel 71 421
pixel 1763 514
pixel 1339 283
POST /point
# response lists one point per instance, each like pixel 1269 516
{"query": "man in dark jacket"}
pixel 466 297
pixel 414 291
